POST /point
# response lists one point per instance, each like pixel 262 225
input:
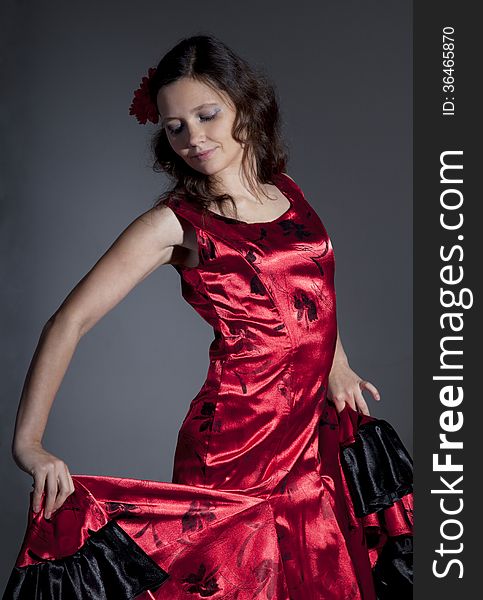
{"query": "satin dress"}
pixel 258 507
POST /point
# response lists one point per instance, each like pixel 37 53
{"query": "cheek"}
pixel 223 134
pixel 176 144
pixel 220 129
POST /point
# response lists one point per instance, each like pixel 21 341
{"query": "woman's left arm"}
pixel 346 386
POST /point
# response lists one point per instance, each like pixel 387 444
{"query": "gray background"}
pixel 76 171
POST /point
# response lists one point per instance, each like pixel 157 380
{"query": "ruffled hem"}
pixel 378 481
pixel 377 466
pixel 393 571
pixel 109 565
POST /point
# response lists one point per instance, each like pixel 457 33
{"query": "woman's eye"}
pixel 208 117
pixel 202 117
pixel 174 131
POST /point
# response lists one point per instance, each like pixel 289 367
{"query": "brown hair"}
pixel 257 122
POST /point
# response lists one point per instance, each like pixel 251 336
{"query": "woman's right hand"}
pixel 51 475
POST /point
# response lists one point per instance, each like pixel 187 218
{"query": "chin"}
pixel 208 169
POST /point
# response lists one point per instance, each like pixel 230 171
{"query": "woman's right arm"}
pixel 153 239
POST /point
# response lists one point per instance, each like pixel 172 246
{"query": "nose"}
pixel 196 134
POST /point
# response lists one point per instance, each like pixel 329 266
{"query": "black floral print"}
pixel 285 389
pixel 206 416
pixel 242 382
pixel 247 339
pixel 121 507
pixel 318 265
pixel 297 229
pixel 207 249
pixel 198 514
pixel 202 582
pixel 251 257
pixel 287 485
pixel 256 286
pixel 266 573
pixel 326 421
pixel 241 552
pixel 150 525
pixel 305 305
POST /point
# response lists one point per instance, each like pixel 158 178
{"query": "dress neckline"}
pixel 284 215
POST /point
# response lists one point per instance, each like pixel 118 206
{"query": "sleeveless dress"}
pixel 258 506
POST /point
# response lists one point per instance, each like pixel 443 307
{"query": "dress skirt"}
pixel 121 538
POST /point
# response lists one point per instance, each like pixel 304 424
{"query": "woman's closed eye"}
pixel 202 118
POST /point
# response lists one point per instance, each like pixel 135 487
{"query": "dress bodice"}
pixel 263 287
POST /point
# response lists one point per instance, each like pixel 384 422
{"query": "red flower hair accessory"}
pixel 142 107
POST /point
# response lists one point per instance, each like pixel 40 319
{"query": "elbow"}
pixel 70 323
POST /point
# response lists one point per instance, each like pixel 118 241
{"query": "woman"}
pixel 258 506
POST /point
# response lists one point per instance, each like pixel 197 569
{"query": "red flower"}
pixel 142 107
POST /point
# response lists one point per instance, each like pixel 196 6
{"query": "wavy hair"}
pixel 257 122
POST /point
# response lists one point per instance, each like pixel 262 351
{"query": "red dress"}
pixel 258 507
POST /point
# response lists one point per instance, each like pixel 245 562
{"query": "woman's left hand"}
pixel 346 386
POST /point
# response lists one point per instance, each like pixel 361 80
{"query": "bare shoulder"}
pixel 172 233
pixel 164 224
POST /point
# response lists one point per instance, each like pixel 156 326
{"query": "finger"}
pixel 66 484
pixel 371 388
pixel 63 486
pixel 351 401
pixel 51 492
pixel 344 398
pixel 71 481
pixel 361 403
pixel 339 404
pixel 39 482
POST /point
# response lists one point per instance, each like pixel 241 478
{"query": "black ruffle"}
pixel 393 572
pixel 377 466
pixel 109 566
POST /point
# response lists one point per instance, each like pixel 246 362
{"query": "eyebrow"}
pixel 194 110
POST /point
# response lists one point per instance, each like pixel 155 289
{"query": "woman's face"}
pixel 197 119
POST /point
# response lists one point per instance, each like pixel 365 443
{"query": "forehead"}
pixel 182 97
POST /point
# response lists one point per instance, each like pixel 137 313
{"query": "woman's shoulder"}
pixel 162 219
pixel 287 175
pixel 290 181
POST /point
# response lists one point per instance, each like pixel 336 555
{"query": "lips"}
pixel 205 155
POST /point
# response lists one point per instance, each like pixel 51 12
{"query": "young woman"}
pixel 259 505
